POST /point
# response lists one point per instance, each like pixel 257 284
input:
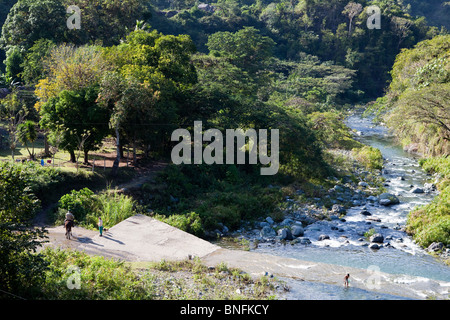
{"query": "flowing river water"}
pixel 346 246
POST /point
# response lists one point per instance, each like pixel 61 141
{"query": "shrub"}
pixel 369 157
pixel 431 223
pixel 79 202
pixel 87 207
pixel 189 222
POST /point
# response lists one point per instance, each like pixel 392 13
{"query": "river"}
pixel 346 246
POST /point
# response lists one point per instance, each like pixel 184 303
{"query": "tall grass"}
pixel 87 207
pixel 115 208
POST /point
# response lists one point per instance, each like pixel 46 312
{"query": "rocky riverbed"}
pixel 360 220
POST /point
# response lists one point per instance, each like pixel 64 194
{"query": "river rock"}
pixel 435 246
pixel 429 187
pixel 416 190
pixel 285 234
pixel 267 232
pixel 374 246
pixel 270 220
pixel 298 231
pixel 387 199
pixel 365 213
pixel 304 240
pixel 363 184
pixel 323 237
pixel 286 222
pixel 263 224
pixel 377 238
pixel 338 209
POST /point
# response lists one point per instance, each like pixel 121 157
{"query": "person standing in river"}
pixel 346 280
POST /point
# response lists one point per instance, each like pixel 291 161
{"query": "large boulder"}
pixel 377 238
pixel 285 234
pixel 267 232
pixel 387 199
pixel 298 231
pixel 417 190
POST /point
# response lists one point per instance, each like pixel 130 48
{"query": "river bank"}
pixel 365 226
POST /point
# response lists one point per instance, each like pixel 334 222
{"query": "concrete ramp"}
pixel 142 238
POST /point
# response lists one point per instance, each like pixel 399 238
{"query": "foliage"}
pixel 87 207
pixel 431 223
pixel 99 278
pixel 189 222
pixel 110 279
pixel 102 20
pixel 416 106
pixel 27 134
pixel 13 110
pixel 331 130
pixel 75 118
pixel 20 269
pixel 369 157
pixel 34 61
pixel 219 194
pixel 332 30
pixel 80 203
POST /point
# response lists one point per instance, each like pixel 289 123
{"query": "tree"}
pixel 13 111
pixel 151 71
pixel 27 134
pixel 401 28
pixel 33 64
pixel 351 10
pixel 71 115
pixel 13 62
pixel 246 48
pixel 31 20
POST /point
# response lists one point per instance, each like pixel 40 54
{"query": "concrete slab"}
pixel 142 238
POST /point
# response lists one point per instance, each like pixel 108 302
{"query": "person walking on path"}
pixel 100 225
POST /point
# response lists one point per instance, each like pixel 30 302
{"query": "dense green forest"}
pixel 137 70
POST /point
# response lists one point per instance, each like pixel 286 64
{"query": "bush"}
pixel 80 203
pixel 369 157
pixel 87 207
pixel 189 222
pixel 431 223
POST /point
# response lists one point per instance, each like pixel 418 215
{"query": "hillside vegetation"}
pixel 138 70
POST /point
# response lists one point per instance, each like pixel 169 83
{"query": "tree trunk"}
pixel 86 156
pixel 73 159
pixel 46 146
pixel 117 160
pixel 134 154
